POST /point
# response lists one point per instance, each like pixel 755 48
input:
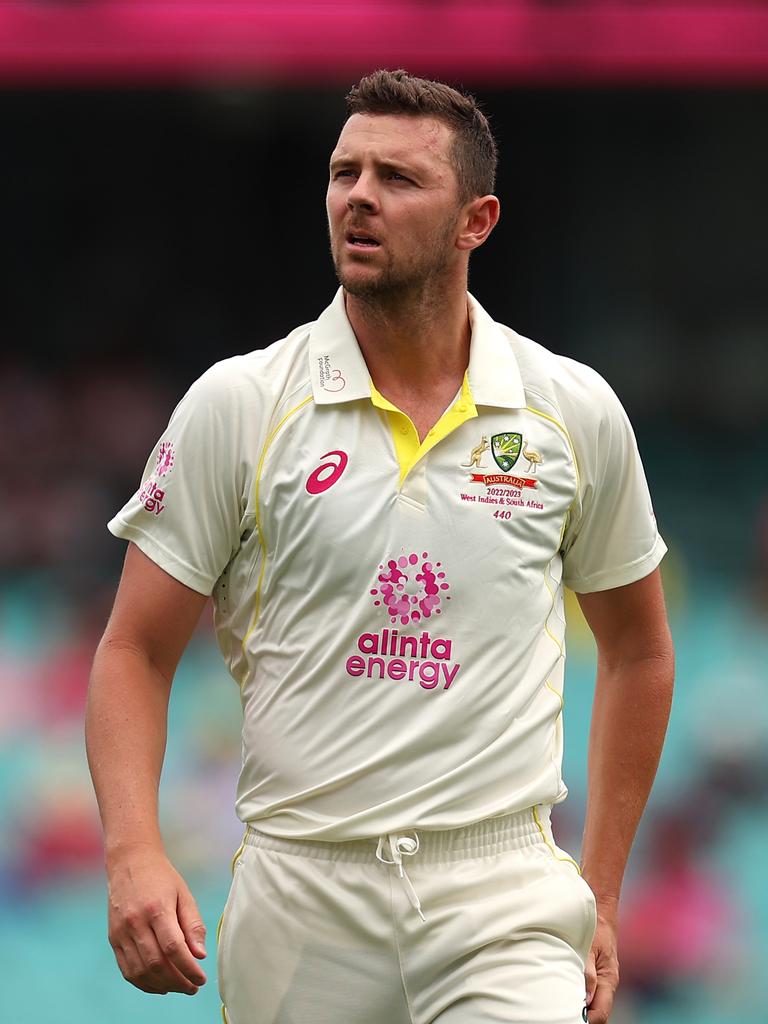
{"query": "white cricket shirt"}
pixel 393 611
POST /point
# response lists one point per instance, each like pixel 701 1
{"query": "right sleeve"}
pixel 188 514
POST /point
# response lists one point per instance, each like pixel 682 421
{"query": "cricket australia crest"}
pixel 506 449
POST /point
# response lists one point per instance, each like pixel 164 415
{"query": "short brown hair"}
pixel 474 147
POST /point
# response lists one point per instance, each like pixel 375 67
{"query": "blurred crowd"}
pixel 72 446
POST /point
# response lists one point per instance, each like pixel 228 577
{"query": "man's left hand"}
pixel 602 970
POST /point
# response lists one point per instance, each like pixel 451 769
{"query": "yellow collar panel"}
pixel 404 435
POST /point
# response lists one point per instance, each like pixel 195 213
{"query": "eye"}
pixel 397 176
pixel 343 172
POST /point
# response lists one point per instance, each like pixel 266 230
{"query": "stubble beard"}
pixel 392 286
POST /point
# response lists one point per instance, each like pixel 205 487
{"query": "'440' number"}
pixel 502 513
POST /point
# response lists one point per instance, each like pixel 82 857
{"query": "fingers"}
pixel 601 987
pixel 166 958
pixel 601 1005
pixel 152 954
pixel 173 944
pixel 191 923
pixel 132 968
pixel 590 977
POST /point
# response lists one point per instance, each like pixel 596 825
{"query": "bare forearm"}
pixel 126 723
pixel 155 927
pixel 629 721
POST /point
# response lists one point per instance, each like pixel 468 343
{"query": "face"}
pixel 393 207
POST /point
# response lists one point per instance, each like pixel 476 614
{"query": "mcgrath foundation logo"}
pixel 330 378
pixel 410 588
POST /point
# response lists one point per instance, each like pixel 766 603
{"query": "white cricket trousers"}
pixel 477 925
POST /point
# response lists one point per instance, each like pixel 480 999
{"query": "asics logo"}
pixel 327 473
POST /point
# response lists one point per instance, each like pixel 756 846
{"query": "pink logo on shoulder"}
pixel 151 494
pixel 165 458
pixel 151 497
pixel 410 588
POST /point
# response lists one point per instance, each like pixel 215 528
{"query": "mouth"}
pixel 361 241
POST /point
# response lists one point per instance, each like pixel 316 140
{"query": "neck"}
pixel 413 342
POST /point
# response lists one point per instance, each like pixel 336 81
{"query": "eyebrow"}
pixel 391 164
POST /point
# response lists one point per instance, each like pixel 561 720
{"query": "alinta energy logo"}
pixel 410 589
pixel 151 494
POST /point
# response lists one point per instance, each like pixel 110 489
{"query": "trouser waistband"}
pixel 482 838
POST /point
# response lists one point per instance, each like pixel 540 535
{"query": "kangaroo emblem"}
pixel 533 457
pixel 477 454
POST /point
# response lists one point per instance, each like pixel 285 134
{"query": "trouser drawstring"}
pixel 399 845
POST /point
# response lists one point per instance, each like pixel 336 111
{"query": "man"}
pixel 385 506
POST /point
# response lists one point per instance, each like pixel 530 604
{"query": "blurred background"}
pixel 162 177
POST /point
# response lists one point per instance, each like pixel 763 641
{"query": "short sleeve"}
pixel 611 538
pixel 188 513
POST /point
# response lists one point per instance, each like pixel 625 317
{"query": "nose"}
pixel 362 195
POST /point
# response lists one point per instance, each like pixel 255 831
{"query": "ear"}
pixel 478 220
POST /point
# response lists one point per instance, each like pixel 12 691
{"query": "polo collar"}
pixel 336 365
pixel 494 376
pixel 339 373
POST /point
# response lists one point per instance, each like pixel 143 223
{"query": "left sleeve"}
pixel 611 538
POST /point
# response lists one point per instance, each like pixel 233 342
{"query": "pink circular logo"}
pixel 410 588
pixel 165 458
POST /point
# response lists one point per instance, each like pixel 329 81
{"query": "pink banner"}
pixel 500 478
pixel 501 42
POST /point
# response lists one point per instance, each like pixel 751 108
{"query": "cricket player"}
pixel 385 507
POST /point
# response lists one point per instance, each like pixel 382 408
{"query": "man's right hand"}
pixel 155 928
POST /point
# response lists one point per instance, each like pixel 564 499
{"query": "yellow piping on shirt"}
pixel 259 526
pixel 550 847
pixel 560 427
pixel 564 431
pixel 557 693
pixel 553 595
